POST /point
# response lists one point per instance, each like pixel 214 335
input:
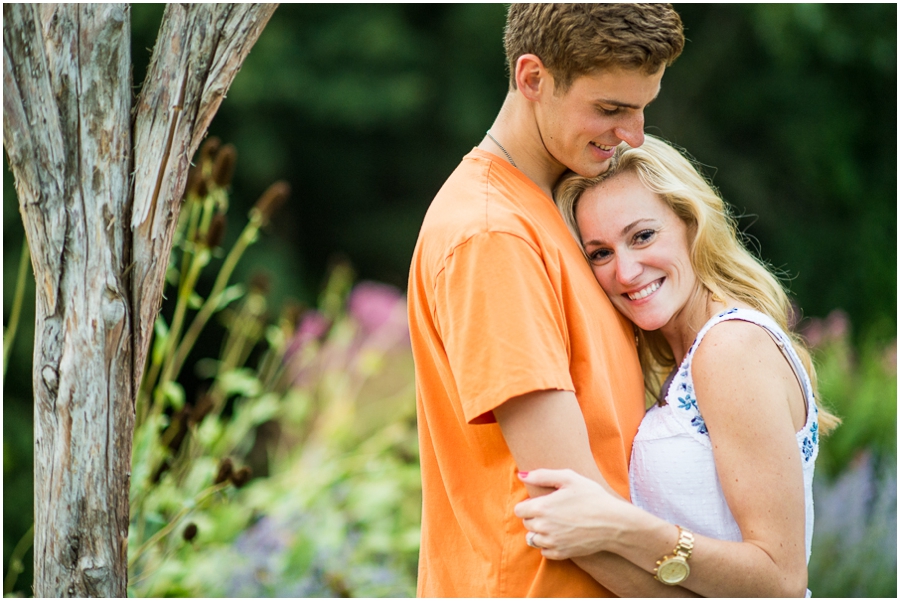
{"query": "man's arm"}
pixel 546 429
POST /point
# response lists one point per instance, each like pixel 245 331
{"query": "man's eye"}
pixel 610 112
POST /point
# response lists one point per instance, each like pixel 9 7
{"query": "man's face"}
pixel 582 127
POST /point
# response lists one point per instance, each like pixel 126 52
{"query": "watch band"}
pixel 674 569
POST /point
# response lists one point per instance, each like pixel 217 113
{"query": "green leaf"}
pixel 174 394
pixel 160 338
pixel 195 301
pixel 240 381
pixel 229 295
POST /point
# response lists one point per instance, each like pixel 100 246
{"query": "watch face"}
pixel 673 571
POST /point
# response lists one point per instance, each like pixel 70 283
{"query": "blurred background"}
pixel 285 448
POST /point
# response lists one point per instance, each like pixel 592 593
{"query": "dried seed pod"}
pixel 226 467
pixel 292 312
pixel 216 232
pixel 272 199
pixel 223 167
pixel 260 282
pixel 208 151
pixel 179 423
pixel 190 532
pixel 241 477
pixel 194 181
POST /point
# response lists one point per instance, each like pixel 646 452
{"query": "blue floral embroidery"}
pixel 807 449
pixel 815 433
pixel 728 312
pixel 698 423
pixel 686 402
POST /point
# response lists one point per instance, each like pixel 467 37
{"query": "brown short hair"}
pixel 577 39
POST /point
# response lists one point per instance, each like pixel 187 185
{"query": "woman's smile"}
pixel 639 252
pixel 646 291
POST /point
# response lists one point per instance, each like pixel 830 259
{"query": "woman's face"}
pixel 638 248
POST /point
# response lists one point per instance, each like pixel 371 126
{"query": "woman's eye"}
pixel 600 255
pixel 644 236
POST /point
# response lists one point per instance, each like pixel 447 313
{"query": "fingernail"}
pixel 523 474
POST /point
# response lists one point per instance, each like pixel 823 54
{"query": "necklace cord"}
pixel 512 162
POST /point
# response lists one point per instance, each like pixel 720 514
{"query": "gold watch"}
pixel 674 569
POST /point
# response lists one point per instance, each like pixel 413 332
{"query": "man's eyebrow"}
pixel 626 105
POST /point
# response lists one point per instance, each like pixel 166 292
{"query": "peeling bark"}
pixel 99 247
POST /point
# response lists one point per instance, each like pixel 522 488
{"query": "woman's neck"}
pixel 682 329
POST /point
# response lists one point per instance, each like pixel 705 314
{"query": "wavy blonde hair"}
pixel 722 263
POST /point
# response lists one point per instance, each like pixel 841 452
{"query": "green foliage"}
pixel 860 386
pixel 318 410
pixel 855 538
pixel 794 108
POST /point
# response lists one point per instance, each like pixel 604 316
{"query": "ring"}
pixel 529 540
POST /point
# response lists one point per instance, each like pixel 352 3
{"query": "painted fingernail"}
pixel 523 474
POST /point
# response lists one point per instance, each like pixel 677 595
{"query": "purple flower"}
pixel 374 305
pixel 312 326
pixel 833 328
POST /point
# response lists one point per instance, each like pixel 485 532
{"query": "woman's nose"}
pixel 628 268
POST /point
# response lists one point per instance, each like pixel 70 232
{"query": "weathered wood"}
pixel 67 134
pixel 99 247
pixel 200 49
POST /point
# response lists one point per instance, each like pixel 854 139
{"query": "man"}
pixel 521 361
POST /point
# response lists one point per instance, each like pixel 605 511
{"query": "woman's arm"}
pixel 745 390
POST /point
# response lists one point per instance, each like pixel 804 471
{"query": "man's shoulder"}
pixel 480 196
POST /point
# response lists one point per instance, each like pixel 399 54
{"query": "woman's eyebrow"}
pixel 631 225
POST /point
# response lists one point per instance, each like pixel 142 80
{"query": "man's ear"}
pixel 532 78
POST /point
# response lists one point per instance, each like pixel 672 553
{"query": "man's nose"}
pixel 632 131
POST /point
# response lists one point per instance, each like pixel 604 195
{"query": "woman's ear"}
pixel 532 78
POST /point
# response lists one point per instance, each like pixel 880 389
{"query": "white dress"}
pixel 673 474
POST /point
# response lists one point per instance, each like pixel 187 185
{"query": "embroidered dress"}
pixel 673 473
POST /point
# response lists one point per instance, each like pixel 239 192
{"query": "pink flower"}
pixel 312 326
pixel 374 305
pixel 833 328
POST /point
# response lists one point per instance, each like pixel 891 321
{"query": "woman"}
pixel 722 466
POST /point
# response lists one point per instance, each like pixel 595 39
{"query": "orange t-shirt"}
pixel 502 303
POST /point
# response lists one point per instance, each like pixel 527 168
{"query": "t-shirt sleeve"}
pixel 501 322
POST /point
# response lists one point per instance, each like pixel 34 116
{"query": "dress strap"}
pixel 681 394
pixel 780 338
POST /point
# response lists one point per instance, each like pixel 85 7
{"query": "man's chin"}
pixel 591 170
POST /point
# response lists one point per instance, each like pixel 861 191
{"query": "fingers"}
pixel 548 478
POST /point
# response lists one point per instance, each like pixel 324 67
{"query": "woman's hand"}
pixel 580 518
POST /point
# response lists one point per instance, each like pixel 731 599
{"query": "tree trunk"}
pixel 99 248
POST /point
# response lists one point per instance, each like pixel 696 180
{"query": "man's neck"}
pixel 516 130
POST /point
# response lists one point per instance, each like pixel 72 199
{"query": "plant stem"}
pixel 246 238
pixel 184 296
pixel 15 560
pixel 9 334
pixel 167 529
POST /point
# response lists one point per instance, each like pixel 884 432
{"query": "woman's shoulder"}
pixel 739 366
pixel 737 333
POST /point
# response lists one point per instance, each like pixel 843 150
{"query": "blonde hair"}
pixel 722 263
